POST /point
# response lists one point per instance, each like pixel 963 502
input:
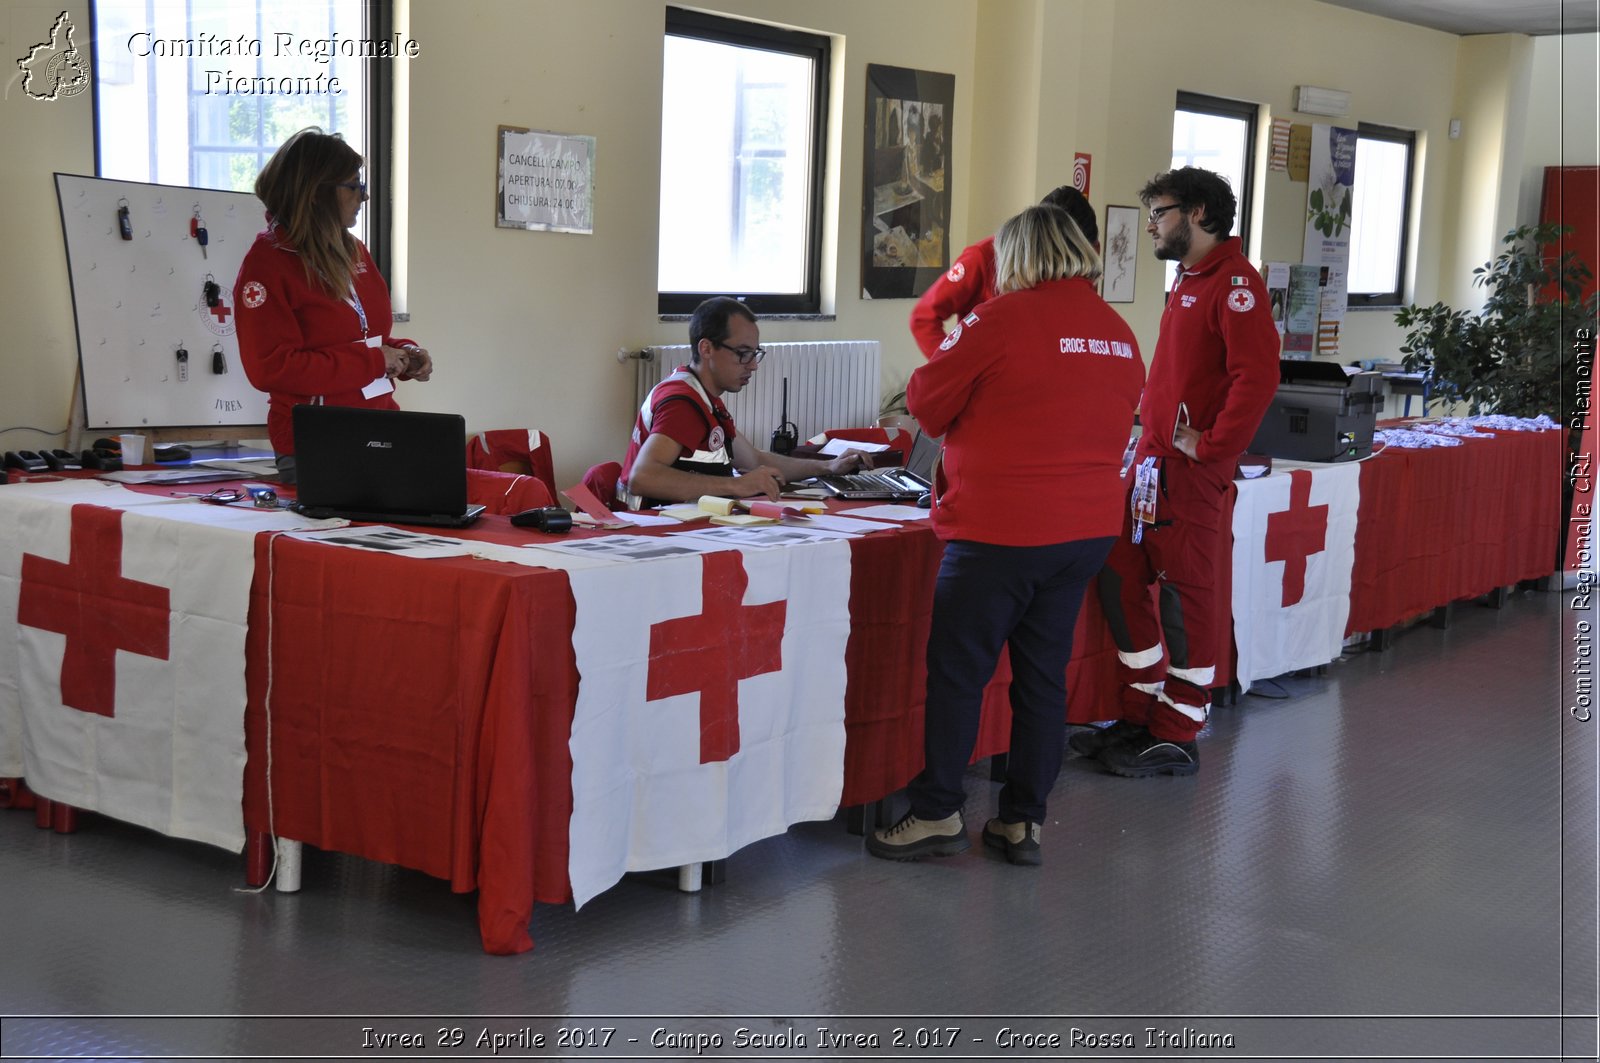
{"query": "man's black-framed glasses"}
pixel 746 355
pixel 1154 216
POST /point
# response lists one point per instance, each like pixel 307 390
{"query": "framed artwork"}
pixel 905 237
pixel 1120 242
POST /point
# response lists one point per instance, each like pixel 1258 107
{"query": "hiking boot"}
pixel 1089 743
pixel 913 838
pixel 1019 841
pixel 1141 756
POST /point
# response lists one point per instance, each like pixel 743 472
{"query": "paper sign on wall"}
pixel 545 181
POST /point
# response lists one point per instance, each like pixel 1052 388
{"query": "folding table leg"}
pixel 257 857
pixel 288 880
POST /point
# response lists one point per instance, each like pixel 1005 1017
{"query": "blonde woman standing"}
pixel 1034 392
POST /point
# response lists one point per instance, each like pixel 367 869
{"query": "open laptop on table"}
pixel 910 482
pixel 382 466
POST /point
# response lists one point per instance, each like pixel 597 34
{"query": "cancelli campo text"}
pixel 285 46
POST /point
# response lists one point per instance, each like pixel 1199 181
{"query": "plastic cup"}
pixel 132 449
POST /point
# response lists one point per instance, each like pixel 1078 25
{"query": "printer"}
pixel 1320 413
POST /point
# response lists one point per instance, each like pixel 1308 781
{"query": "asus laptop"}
pixel 382 466
pixel 909 483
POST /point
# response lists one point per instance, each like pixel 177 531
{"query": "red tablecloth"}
pixel 1446 523
pixel 420 710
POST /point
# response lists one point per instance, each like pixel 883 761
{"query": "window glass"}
pixel 1218 135
pixel 1379 223
pixel 171 107
pixel 740 166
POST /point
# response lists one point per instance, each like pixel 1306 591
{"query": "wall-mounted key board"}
pixel 152 270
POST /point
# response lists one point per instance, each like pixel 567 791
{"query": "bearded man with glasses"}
pixel 1212 377
pixel 684 443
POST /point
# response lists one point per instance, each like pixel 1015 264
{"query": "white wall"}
pixel 1562 127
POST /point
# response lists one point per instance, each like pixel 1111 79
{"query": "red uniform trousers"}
pixel 1169 692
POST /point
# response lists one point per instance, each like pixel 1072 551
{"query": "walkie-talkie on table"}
pixel 786 435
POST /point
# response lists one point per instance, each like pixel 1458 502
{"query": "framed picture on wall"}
pixel 1120 244
pixel 905 224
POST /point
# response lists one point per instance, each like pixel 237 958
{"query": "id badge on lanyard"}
pixel 381 385
pixel 1142 499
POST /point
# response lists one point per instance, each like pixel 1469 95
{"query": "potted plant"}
pixel 892 411
pixel 1511 356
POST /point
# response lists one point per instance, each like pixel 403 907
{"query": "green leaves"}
pixel 1512 355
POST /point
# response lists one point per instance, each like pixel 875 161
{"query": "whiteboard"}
pixel 137 302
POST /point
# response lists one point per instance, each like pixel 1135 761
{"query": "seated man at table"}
pixel 684 443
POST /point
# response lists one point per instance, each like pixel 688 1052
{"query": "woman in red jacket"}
pixel 1034 392
pixel 314 319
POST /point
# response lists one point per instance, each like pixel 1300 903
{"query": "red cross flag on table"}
pixel 122 634
pixel 1294 536
pixel 710 709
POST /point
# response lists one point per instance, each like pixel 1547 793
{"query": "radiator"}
pixel 831 385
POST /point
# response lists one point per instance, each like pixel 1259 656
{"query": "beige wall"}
pixel 1562 127
pixel 38 345
pixel 525 326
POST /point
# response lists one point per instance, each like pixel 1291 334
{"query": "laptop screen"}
pixel 924 452
pixel 388 464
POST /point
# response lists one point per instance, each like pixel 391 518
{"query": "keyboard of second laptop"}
pixel 875 483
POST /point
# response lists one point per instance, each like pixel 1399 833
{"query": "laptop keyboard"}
pixel 876 483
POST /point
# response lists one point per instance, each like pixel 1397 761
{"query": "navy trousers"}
pixel 987 596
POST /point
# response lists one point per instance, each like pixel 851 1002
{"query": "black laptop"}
pixel 382 466
pixel 888 484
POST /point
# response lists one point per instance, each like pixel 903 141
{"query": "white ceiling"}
pixel 1533 17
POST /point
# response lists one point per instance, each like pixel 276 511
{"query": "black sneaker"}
pixel 1019 841
pixel 1089 743
pixel 913 838
pixel 1139 757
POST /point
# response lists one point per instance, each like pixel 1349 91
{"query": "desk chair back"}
pixel 517 450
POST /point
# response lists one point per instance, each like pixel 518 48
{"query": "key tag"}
pixel 219 361
pixel 194 222
pixel 183 363
pixel 124 219
pixel 1142 499
pixel 213 292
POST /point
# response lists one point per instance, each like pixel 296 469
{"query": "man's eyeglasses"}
pixel 746 355
pixel 1156 212
pixel 358 187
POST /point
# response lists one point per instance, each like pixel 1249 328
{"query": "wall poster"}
pixel 905 239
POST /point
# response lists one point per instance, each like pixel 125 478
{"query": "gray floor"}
pixel 1411 835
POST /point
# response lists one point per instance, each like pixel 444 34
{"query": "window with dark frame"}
pixel 155 120
pixel 1381 223
pixel 1219 135
pixel 744 110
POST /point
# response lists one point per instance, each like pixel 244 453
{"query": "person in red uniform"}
pixel 1212 377
pixel 313 314
pixel 970 279
pixel 684 443
pixel 1034 393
